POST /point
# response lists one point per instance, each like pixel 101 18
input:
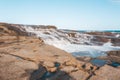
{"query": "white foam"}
pixel 64 42
pixel 108 44
pixel 118 35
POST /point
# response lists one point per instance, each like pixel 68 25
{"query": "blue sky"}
pixel 65 14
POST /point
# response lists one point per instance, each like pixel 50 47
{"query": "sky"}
pixel 65 14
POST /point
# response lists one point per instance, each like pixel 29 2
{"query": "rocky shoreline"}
pixel 25 57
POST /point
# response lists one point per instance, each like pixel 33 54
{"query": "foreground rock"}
pixel 106 73
pixel 80 75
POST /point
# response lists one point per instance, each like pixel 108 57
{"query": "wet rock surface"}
pixel 114 56
pixel 102 37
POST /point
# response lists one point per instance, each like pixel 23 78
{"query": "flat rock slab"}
pixel 79 75
pixel 107 73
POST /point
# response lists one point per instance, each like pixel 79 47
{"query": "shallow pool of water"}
pixel 115 64
pixel 92 54
pixel 99 63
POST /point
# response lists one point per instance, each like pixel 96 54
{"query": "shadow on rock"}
pixel 43 74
